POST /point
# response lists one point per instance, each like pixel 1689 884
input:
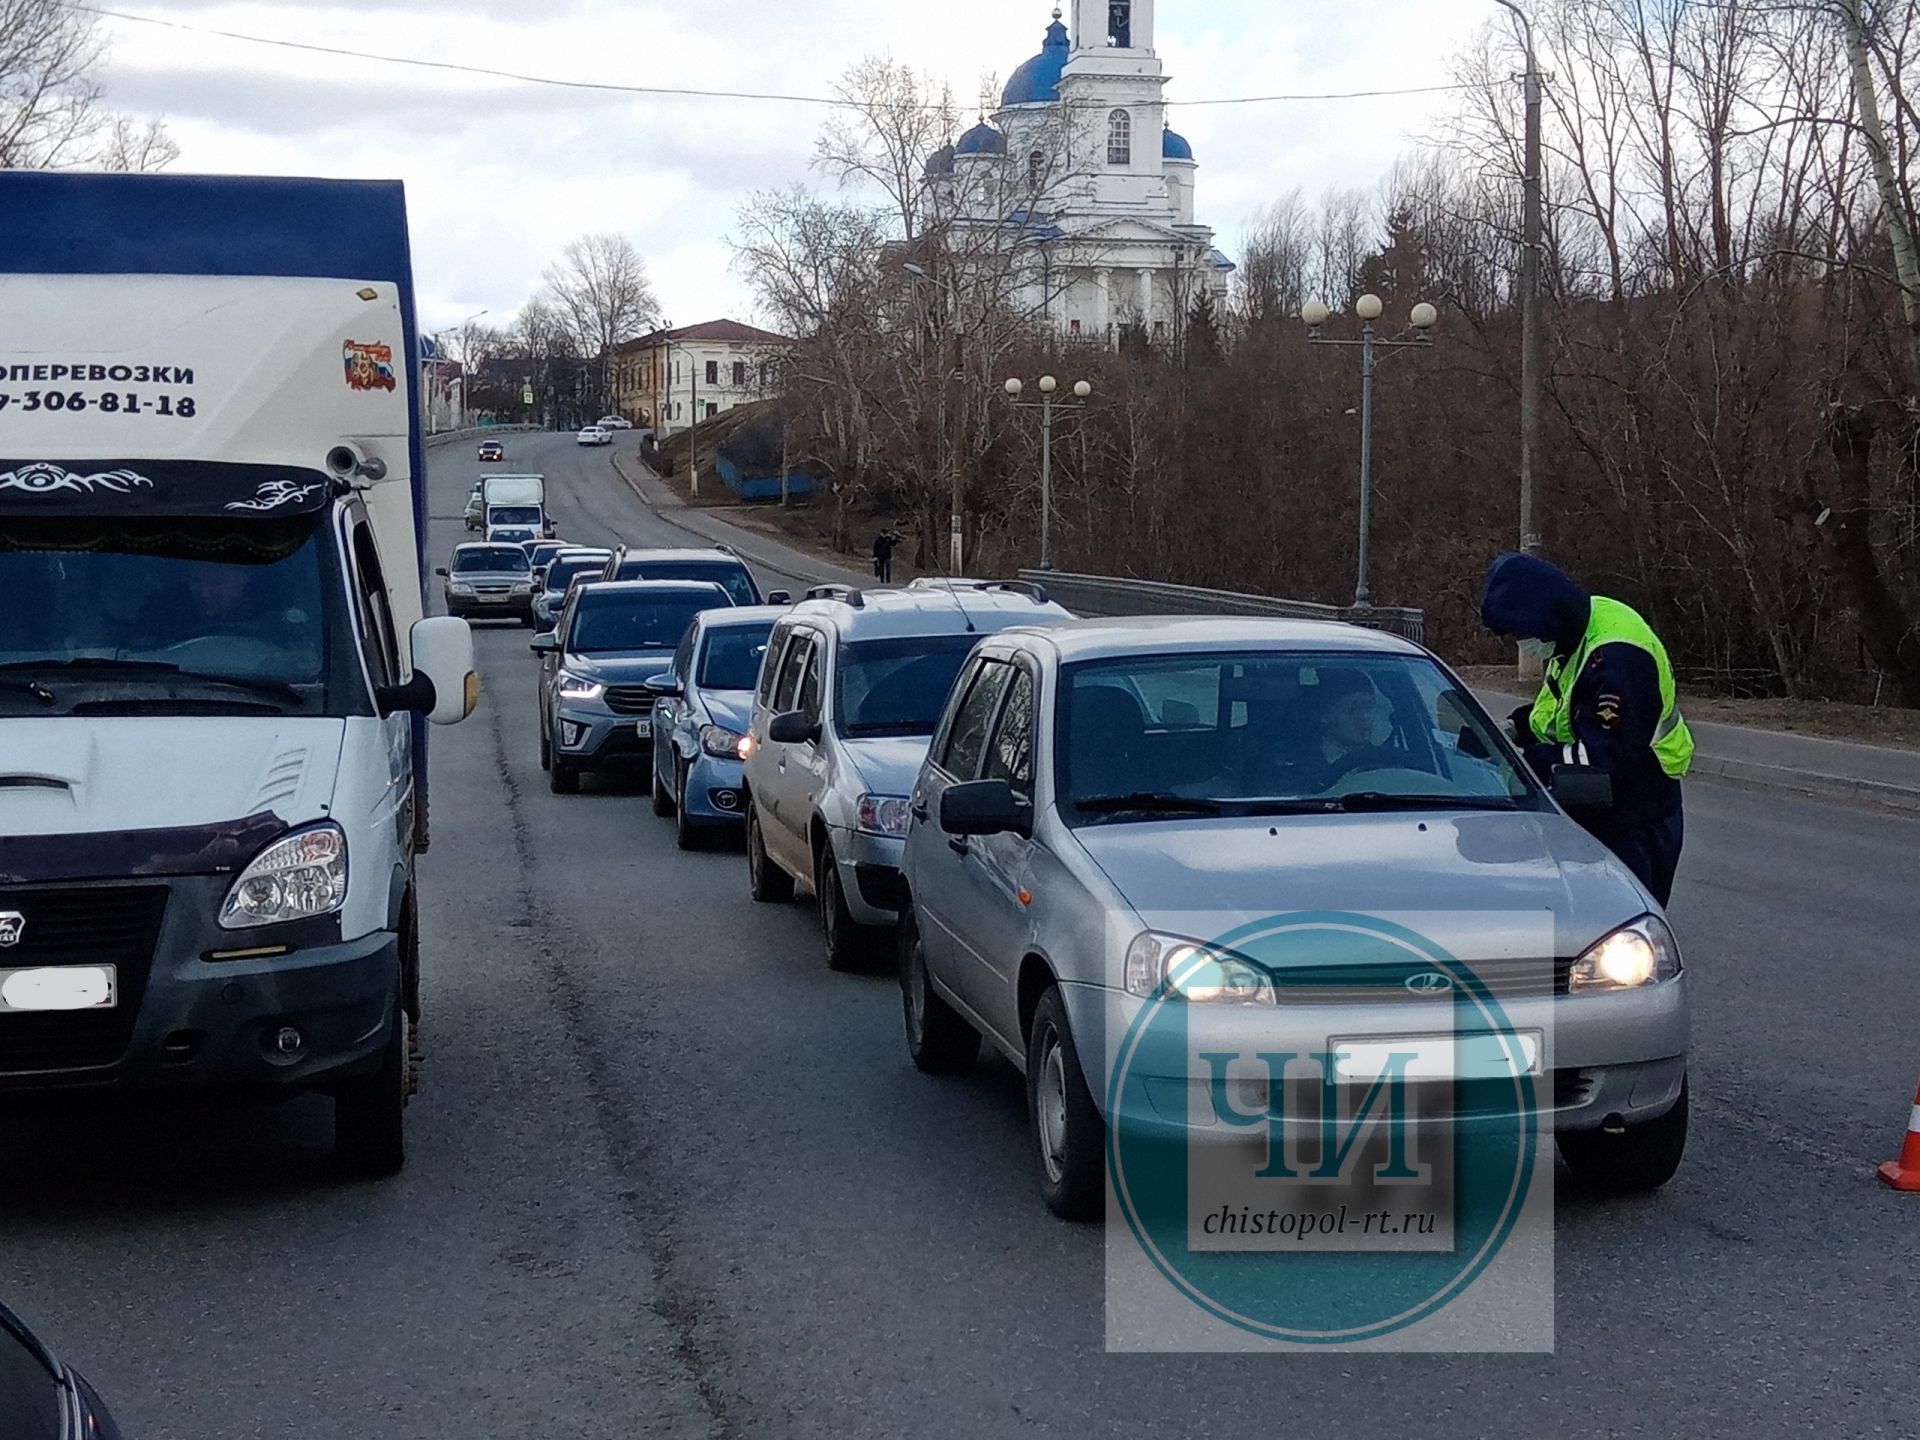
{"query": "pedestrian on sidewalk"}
pixel 1608 701
pixel 883 546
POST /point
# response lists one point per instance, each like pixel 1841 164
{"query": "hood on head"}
pixel 1526 596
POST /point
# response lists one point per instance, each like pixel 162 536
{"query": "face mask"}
pixel 1541 650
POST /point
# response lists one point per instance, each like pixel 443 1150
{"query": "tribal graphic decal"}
pixel 278 493
pixel 57 480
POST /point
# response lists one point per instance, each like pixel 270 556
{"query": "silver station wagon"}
pixel 1094 787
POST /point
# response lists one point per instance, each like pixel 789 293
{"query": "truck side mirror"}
pixel 1583 789
pixel 445 687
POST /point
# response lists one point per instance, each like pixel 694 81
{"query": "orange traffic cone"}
pixel 1904 1173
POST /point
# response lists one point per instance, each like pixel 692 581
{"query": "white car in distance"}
pixel 596 435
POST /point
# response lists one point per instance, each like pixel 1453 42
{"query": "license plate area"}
pixel 1485 1056
pixel 643 728
pixel 56 989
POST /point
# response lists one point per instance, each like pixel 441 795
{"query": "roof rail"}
pixel 1016 587
pixel 728 550
pixel 846 594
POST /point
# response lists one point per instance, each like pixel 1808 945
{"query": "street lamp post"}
pixel 1045 405
pixel 1369 308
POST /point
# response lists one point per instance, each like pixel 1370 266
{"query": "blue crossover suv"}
pixel 701 719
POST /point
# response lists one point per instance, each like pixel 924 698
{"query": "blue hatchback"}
pixel 701 718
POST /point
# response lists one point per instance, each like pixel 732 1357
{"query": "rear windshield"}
pixel 617 624
pixel 561 572
pixel 729 576
pixel 492 560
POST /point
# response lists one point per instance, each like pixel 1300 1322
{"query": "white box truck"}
pixel 215 667
pixel 517 502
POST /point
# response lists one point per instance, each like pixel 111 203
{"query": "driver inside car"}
pixel 1348 715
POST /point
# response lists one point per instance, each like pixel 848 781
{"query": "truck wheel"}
pixel 563 778
pixel 938 1039
pixel 663 804
pixel 850 945
pixel 369 1124
pixel 766 881
pixel 1637 1162
pixel 1067 1133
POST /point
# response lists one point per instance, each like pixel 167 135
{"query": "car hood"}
pixel 891 765
pixel 78 775
pixel 1478 882
pixel 619 669
pixel 731 708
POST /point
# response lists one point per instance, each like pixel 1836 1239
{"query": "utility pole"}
pixel 1532 335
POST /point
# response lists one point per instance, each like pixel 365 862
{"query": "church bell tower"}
pixel 1112 25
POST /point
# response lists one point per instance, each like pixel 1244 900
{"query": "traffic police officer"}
pixel 1608 701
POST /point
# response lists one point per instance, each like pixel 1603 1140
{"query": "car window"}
pixel 560 573
pixel 733 656
pixel 808 700
pixel 613 624
pixel 683 657
pixel 732 578
pixel 770 669
pixel 491 559
pixel 792 667
pixel 1280 728
pixel 898 687
pixel 29 1398
pixel 974 719
pixel 379 642
pixel 1010 751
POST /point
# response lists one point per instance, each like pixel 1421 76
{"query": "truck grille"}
pixel 116 925
pixel 630 700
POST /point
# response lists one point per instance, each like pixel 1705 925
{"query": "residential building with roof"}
pixel 1079 186
pixel 674 378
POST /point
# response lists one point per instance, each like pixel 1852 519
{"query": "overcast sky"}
pixel 501 175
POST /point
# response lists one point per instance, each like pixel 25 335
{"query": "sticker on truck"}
pixel 369 367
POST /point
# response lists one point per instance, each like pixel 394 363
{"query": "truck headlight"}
pixel 578 687
pixel 883 814
pixel 720 742
pixel 1194 972
pixel 1636 955
pixel 297 878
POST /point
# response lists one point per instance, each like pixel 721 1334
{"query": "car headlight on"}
pixel 720 742
pixel 1643 953
pixel 459 587
pixel 883 814
pixel 578 687
pixel 296 878
pixel 1194 972
pixel 525 588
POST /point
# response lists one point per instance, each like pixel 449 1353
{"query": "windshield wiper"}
pixel 1373 801
pixel 279 688
pixel 1146 802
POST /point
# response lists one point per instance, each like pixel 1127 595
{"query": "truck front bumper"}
pixel 311 1017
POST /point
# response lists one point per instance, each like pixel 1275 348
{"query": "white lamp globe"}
pixel 1315 313
pixel 1048 384
pixel 1425 317
pixel 1083 389
pixel 1014 387
pixel 1369 307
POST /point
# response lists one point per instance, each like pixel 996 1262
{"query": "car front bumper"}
pixel 495 607
pixel 1606 1059
pixel 870 875
pixel 187 1022
pixel 594 738
pixel 715 792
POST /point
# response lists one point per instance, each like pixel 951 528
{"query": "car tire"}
pixel 851 946
pixel 546 752
pixel 369 1124
pixel 939 1039
pixel 663 803
pixel 1637 1162
pixel 564 777
pixel 688 834
pixel 1069 1140
pixel 766 881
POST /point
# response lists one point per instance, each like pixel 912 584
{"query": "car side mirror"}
pixel 445 686
pixel 793 728
pixel 441 572
pixel 780 597
pixel 665 687
pixel 985 807
pixel 544 644
pixel 1583 789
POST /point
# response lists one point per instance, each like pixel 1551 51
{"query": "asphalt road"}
pixel 672 1177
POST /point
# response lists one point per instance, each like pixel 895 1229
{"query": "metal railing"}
pixel 1101 595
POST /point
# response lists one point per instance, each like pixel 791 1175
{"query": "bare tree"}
pixel 599 288
pixel 889 119
pixel 52 110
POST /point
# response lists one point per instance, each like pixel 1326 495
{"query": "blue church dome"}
pixel 1038 81
pixel 983 139
pixel 1175 147
pixel 941 161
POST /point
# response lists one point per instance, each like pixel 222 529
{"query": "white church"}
pixel 1080 181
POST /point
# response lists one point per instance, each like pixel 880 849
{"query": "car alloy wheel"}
pixel 1068 1134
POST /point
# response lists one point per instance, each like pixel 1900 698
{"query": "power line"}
pixel 670 91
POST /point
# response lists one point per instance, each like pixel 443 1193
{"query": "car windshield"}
pixel 616 624
pixel 732 658
pixel 206 614
pixel 898 687
pixel 514 515
pixel 1247 733
pixel 730 577
pixel 491 560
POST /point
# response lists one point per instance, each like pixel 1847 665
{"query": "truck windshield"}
pixel 171 616
pixel 514 515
